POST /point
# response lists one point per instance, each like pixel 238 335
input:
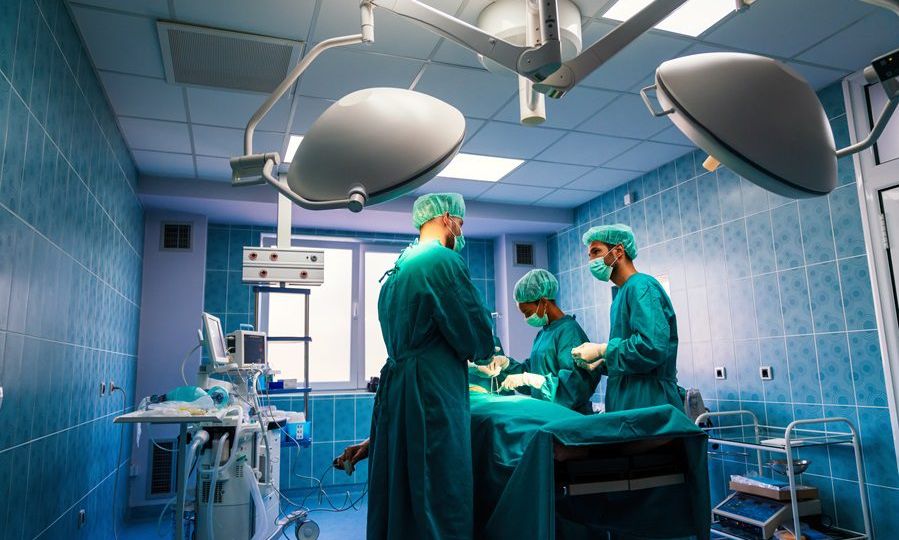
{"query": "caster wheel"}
pixel 308 530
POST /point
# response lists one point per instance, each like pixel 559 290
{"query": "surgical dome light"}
pixel 760 118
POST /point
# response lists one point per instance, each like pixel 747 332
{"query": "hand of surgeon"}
pixel 482 371
pixel 588 352
pixel 523 379
pixel 351 455
pixel 499 363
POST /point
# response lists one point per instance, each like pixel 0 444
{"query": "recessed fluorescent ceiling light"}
pixel 292 146
pixel 483 168
pixel 691 19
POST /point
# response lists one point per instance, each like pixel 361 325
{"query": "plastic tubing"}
pixel 261 513
pixel 220 445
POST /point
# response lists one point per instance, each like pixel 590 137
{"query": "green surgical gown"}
pixel 641 358
pixel 551 357
pixel 433 320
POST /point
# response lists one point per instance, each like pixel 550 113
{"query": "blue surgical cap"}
pixel 536 284
pixel 613 235
pixel 429 206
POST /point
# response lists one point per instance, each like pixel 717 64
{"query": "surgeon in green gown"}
pixel 640 357
pixel 433 320
pixel 549 373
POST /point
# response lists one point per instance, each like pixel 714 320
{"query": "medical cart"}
pixel 741 429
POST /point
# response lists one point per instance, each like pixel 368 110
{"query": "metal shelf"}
pixel 785 440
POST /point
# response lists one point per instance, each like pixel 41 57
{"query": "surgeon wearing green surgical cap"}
pixel 640 357
pixel 433 321
pixel 550 373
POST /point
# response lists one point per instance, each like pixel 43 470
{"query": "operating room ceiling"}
pixel 597 137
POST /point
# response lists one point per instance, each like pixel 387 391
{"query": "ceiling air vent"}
pixel 176 236
pixel 200 56
pixel 524 254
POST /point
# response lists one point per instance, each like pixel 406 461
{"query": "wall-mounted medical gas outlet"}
pixel 766 373
pixel 273 265
pixel 82 518
pixel 628 198
pixel 102 388
pixel 720 372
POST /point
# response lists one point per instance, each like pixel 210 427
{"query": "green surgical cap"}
pixel 613 235
pixel 536 284
pixel 429 206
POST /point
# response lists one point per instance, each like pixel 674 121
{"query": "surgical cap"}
pixel 536 284
pixel 613 235
pixel 429 206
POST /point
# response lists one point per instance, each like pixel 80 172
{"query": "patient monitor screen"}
pixel 253 349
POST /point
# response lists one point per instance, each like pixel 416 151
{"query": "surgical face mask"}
pixel 537 321
pixel 600 269
pixel 458 239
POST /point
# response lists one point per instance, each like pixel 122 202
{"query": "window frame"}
pixel 358 247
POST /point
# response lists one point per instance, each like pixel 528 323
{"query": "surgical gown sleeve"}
pixel 570 387
pixel 646 348
pixel 459 309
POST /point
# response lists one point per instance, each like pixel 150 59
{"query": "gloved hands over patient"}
pixel 499 363
pixel 589 356
pixel 483 371
pixel 523 379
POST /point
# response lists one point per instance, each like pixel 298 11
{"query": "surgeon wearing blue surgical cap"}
pixel 640 357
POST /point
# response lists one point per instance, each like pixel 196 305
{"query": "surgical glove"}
pixel 482 371
pixel 499 363
pixel 589 366
pixel 523 379
pixel 589 351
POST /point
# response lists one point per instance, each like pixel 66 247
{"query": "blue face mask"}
pixel 458 240
pixel 600 269
pixel 538 321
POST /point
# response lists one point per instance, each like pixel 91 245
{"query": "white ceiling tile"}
pixel 118 42
pixel 393 34
pixel 158 9
pixel 451 53
pixel 566 112
pixel 340 72
pixel 308 111
pixel 786 28
pixel 210 168
pixel 467 188
pixel 228 142
pixel 477 93
pixel 472 127
pixel 164 163
pixel 133 95
pixel 627 116
pixel 636 61
pixel 511 140
pixel 566 198
pixel 156 135
pixel 647 156
pixel 602 180
pixel 817 77
pixel 855 47
pixel 233 109
pixel 512 194
pixel 585 149
pixel 672 135
pixel 545 174
pixel 287 19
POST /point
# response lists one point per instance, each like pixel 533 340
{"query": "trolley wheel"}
pixel 308 530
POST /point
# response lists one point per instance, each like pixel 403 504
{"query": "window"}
pixel 346 347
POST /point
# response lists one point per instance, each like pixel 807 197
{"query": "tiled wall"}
pixel 71 235
pixel 758 279
pixel 338 420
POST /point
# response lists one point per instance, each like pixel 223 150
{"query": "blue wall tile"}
pixel 847 219
pixel 795 304
pixel 867 369
pixel 827 306
pixel 71 226
pixel 805 387
pixel 858 302
pixel 817 231
pixel 787 243
pixel 761 243
pixel 835 368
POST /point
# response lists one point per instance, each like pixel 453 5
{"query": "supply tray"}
pixel 719 531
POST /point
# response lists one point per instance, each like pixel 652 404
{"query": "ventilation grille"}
pixel 524 254
pixel 199 56
pixel 176 236
pixel 219 490
pixel 162 471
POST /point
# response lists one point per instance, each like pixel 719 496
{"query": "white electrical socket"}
pixel 82 518
pixel 102 388
pixel 766 373
pixel 1 397
pixel 628 199
pixel 720 372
